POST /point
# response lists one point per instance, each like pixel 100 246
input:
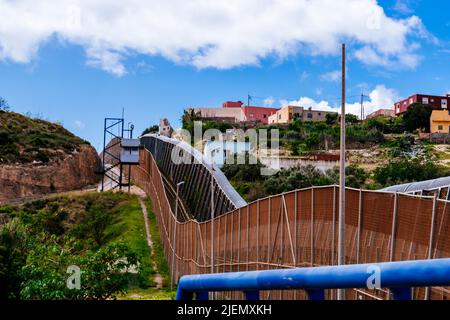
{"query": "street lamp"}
pixel 174 234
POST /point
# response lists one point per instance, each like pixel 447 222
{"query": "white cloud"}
pixel 269 101
pixel 203 33
pixel 79 124
pixel 379 98
pixel 403 7
pixel 332 76
pixel 304 76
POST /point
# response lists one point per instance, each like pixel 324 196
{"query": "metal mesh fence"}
pixel 299 229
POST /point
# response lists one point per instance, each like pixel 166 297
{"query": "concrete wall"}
pixel 287 163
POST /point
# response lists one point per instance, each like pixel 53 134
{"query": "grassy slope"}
pixel 68 213
pixel 24 140
pixel 161 264
pixel 128 226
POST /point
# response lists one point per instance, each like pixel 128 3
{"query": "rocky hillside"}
pixel 38 157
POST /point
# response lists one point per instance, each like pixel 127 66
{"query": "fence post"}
pixel 248 237
pixel 295 234
pixel 430 243
pixel 358 241
pixel 257 235
pixel 268 229
pixel 394 227
pixel 225 244
pixel 239 242
pixel 312 226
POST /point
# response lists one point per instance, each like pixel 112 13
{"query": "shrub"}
pixel 408 170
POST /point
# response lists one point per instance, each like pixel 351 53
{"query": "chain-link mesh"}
pixel 299 229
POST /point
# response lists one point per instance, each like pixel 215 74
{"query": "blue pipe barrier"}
pixel 400 277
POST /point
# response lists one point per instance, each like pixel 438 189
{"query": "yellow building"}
pixel 440 121
pixel 289 113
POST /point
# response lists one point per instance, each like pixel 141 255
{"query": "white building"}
pixel 164 127
pixel 219 151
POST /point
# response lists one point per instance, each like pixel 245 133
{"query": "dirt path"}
pixel 142 196
pixel 158 277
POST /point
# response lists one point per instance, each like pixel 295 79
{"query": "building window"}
pixel 440 128
pixel 310 115
pixel 411 101
pixel 425 100
pixel 279 117
pixel 444 103
pixel 265 116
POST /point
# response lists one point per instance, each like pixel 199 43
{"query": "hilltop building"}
pixel 382 112
pixel 440 121
pixel 235 112
pixel 164 127
pixel 437 102
pixel 289 113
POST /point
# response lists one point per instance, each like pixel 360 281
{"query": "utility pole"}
pixel 363 111
pixel 362 105
pixel 341 235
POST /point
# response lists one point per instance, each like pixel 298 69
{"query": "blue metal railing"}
pixel 399 277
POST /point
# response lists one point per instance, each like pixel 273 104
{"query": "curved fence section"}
pixel 196 174
pixel 299 229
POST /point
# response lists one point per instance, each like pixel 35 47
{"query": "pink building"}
pixel 382 112
pixel 235 111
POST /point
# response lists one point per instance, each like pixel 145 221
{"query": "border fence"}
pixel 299 229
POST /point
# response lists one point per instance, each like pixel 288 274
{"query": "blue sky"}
pixel 77 62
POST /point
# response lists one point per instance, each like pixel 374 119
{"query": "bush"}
pixel 417 116
pixel 408 170
pixel 355 177
pixel 243 172
pixel 296 178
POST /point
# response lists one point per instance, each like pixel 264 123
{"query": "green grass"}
pixel 128 226
pixel 158 251
pixel 148 294
pixel 73 216
pixel 23 139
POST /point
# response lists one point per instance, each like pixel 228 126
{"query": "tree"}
pixel 14 244
pixel 351 119
pixel 408 170
pixel 104 272
pixel 355 177
pixel 417 116
pixel 4 106
pixel 244 172
pixel 296 178
pixel 152 129
pixel 331 118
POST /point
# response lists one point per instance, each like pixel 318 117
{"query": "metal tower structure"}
pixel 112 163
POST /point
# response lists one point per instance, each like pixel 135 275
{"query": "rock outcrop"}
pixel 74 171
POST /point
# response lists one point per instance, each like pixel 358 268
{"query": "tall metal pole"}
pixel 212 223
pixel 174 235
pixel 341 239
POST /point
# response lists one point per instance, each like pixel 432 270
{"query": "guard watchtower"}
pixel 129 154
pixel 119 153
